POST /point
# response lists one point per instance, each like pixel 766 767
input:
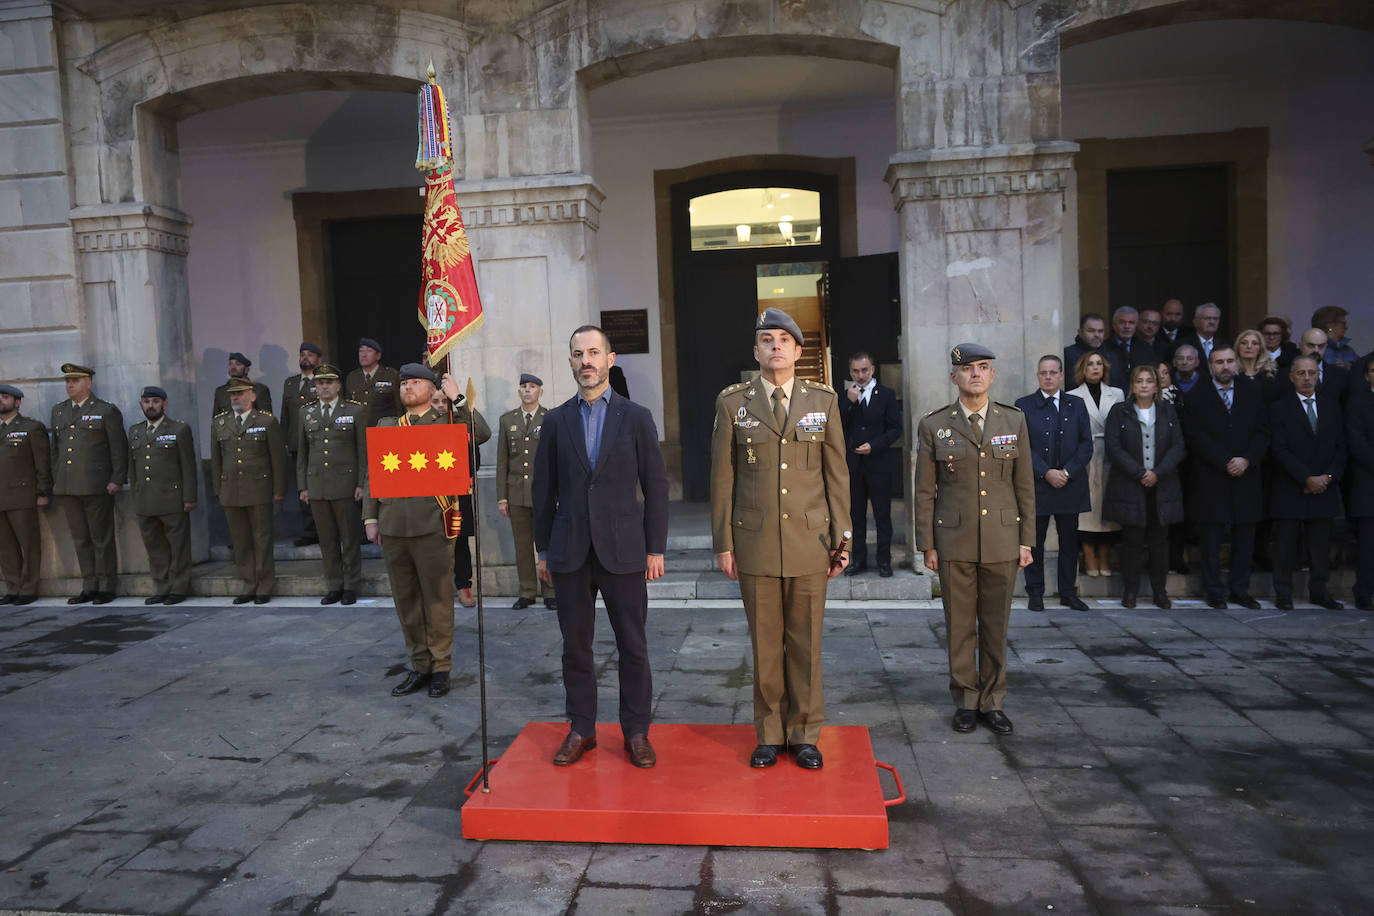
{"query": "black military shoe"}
pixel 765 755
pixel 81 598
pixel 8 599
pixel 884 571
pixel 965 720
pixel 349 597
pixel 414 682
pixel 996 720
pixel 808 756
pixel 1074 602
pixel 855 569
pixel 24 599
pixel 521 603
pixel 156 599
pixel 243 599
pixel 1326 601
pixel 1217 604
pixel 551 604
pixel 262 599
pixel 103 598
pixel 332 597
pixel 174 598
pixel 1035 603
pixel 438 683
pixel 1283 604
pixel 1361 604
pixel 1245 601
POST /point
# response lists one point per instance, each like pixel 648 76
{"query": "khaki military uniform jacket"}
pixel 974 504
pixel 164 467
pixel 25 473
pixel 249 467
pixel 380 397
pixel 515 455
pixel 410 516
pixel 779 498
pixel 294 399
pixel 90 449
pixel 222 404
pixel 331 460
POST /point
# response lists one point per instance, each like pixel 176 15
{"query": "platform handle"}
pixel 887 802
pixel 472 783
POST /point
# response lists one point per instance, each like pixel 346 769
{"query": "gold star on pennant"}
pixel 418 461
pixel 391 461
pixel 445 460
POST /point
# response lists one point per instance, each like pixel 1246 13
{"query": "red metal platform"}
pixel 702 793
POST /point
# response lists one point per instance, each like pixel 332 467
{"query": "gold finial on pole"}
pixel 430 73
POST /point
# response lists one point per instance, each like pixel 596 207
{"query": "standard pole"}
pixel 477 586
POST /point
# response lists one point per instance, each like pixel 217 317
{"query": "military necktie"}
pixel 328 414
pixel 529 424
pixel 976 422
pixel 779 411
pixel 1311 412
pixel 241 422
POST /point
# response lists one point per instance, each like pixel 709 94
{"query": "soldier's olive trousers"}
pixel 91 520
pixel 167 538
pixel 421 574
pixel 786 616
pixel 336 520
pixel 977 599
pixel 522 529
pixel 20 550
pixel 250 529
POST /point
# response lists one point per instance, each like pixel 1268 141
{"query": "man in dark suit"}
pixel 1359 502
pixel 1171 323
pixel 1149 331
pixel 1123 351
pixel 868 413
pixel 1204 334
pixel 1308 445
pixel 597 453
pixel 1332 381
pixel 1274 331
pixel 1092 333
pixel 1061 447
pixel 1226 427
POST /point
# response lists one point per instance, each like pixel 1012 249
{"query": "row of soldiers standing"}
pixel 88 457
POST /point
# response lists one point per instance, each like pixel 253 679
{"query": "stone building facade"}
pixel 94 236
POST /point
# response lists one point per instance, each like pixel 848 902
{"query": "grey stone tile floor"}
pixel 240 760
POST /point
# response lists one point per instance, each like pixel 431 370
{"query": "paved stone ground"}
pixel 210 759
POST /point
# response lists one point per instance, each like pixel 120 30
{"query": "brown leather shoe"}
pixel 641 751
pixel 574 746
pixel 465 597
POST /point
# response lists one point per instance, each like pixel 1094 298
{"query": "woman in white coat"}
pixel 1096 535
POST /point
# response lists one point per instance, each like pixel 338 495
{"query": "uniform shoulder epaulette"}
pixel 938 410
pixel 731 389
pixel 223 413
pixel 1007 406
pixel 821 385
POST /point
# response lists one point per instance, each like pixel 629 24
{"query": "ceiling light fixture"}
pixel 742 232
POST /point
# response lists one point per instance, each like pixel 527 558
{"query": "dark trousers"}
pixel 1134 540
pixel 866 485
pixel 1364 567
pixel 20 550
pixel 1242 553
pixel 462 549
pixel 293 498
pixel 1286 531
pixel 1067 569
pixel 167 538
pixel 92 523
pixel 627 606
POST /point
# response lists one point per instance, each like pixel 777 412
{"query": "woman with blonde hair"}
pixel 1096 534
pixel 1256 363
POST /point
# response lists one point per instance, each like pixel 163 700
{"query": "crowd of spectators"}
pixel 1257 441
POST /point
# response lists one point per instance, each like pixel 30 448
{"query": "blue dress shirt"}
pixel 593 422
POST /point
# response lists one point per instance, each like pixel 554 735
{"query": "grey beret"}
pixel 779 320
pixel 531 378
pixel 966 353
pixel 12 391
pixel 313 348
pixel 239 357
pixel 153 391
pixel 369 342
pixel 416 370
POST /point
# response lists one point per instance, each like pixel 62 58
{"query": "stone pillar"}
pixel 981 258
pixel 533 239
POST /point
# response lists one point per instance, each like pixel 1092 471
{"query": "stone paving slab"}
pixel 217 759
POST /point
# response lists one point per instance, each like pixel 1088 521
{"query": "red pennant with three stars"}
pixel 429 460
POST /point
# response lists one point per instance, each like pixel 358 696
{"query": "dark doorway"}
pixel 1169 235
pixel 375 278
pixel 865 310
pixel 715 301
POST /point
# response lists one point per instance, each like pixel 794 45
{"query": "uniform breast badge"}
pixel 749 455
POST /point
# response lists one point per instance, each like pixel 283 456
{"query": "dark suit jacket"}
pixel 879 424
pixel 1359 472
pixel 1335 384
pixel 1214 437
pixel 577 508
pixel 1299 454
pixel 1141 354
pixel 1064 442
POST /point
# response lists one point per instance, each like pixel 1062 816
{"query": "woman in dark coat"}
pixel 1144 444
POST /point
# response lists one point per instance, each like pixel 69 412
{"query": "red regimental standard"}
pixel 418 461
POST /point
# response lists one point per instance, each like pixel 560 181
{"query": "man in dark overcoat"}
pixel 1308 447
pixel 1226 428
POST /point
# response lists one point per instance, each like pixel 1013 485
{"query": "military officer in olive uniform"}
pixel 975 521
pixel 238 368
pixel 297 393
pixel 779 513
pixel 515 449
pixel 376 387
pixel 331 470
pixel 90 465
pixel 418 552
pixel 164 470
pixel 25 482
pixel 248 467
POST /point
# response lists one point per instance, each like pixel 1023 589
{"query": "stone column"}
pixel 981 258
pixel 533 240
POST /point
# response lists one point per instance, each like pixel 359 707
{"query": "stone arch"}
pixel 1103 19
